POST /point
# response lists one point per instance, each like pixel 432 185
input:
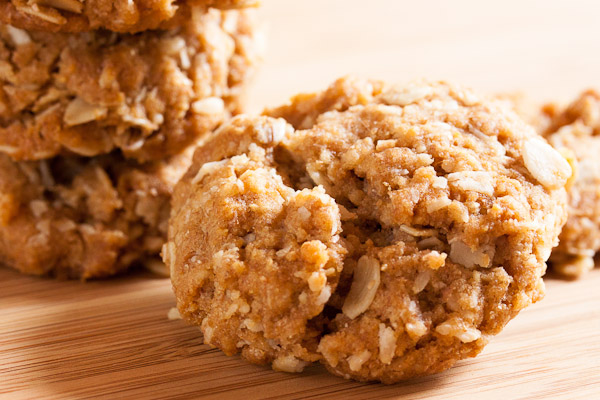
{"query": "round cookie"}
pixel 575 129
pixel 149 95
pixel 74 217
pixel 122 16
pixel 389 237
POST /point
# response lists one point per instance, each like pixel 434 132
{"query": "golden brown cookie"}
pixel 388 235
pixel 149 95
pixel 74 217
pixel 575 130
pixel 124 16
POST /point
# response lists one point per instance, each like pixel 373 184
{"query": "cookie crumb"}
pixel 173 314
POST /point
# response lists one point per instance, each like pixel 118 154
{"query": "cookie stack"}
pixel 101 106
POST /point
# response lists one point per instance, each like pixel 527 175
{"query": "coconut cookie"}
pixel 149 95
pixel 124 16
pixel 575 130
pixel 74 217
pixel 390 237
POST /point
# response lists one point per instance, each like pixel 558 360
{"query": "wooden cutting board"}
pixel 112 339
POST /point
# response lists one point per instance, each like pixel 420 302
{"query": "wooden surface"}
pixel 547 48
pixel 112 339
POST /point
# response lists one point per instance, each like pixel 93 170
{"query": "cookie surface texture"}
pixel 149 95
pixel 386 232
pixel 123 16
pixel 83 218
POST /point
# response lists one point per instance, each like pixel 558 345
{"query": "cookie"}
pixel 76 217
pixel 149 95
pixel 386 232
pixel 119 16
pixel 575 130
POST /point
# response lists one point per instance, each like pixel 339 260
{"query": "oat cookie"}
pixel 389 235
pixel 124 16
pixel 575 130
pixel 149 95
pixel 74 217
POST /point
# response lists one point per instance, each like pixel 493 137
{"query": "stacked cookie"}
pixel 102 103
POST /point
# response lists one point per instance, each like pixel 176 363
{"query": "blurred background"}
pixel 547 49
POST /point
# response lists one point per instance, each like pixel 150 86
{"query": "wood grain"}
pixel 112 339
